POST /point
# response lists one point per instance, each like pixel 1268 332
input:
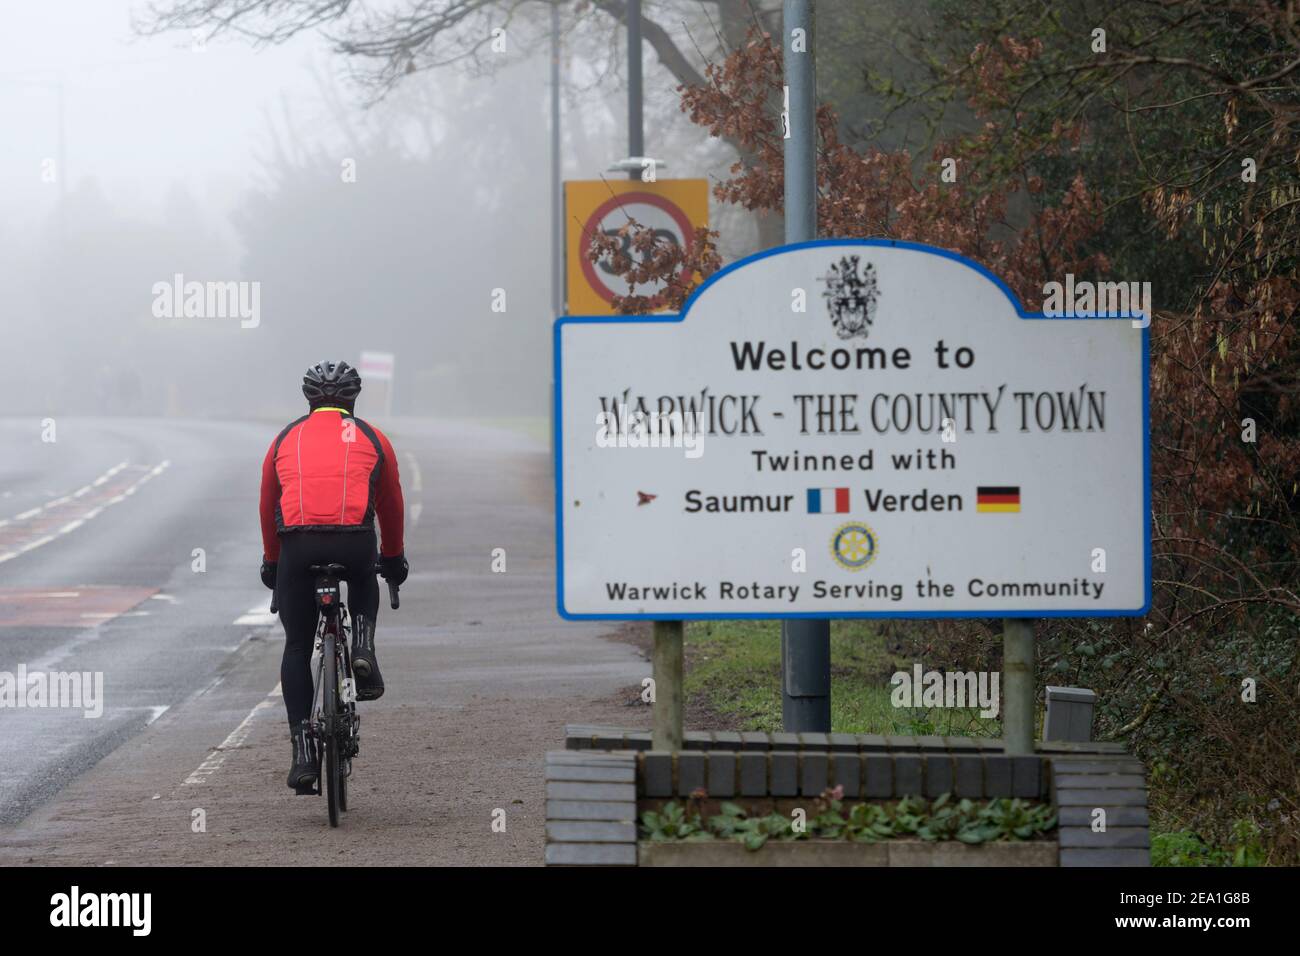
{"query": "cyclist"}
pixel 326 477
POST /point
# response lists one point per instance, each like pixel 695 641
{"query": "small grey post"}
pixel 800 67
pixel 805 645
pixel 635 124
pixel 1069 714
pixel 557 210
pixel 1017 686
pixel 557 177
pixel 806 676
pixel 667 654
pixel 666 665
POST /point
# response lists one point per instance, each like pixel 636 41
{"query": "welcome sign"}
pixel 852 429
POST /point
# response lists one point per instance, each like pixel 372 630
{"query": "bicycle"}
pixel 334 723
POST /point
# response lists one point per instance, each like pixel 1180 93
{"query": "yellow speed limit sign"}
pixel 673 208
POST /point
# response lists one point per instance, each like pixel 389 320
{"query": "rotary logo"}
pixel 854 546
pixel 851 298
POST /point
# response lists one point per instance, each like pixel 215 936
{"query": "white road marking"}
pixel 233 742
pixel 31 545
pixel 417 486
pixel 64 499
pixel 55 594
pixel 108 474
pixel 78 522
pixel 413 465
pixel 169 598
pixel 257 616
pixel 155 711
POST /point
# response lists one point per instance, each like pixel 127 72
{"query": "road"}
pixel 129 549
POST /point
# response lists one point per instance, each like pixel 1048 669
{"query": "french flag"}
pixel 828 501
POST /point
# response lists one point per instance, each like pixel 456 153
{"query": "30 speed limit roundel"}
pixel 653 212
pixel 673 209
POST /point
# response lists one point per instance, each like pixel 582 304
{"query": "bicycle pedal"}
pixel 307 790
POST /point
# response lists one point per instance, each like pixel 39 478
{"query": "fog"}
pixel 319 220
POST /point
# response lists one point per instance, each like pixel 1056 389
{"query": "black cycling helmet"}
pixel 327 382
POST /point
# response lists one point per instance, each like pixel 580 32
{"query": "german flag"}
pixel 997 498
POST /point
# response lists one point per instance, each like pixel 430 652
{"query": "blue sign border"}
pixel 557 439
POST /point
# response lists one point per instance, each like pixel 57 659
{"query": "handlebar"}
pixel 393 600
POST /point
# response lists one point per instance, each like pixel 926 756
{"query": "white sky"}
pixel 140 114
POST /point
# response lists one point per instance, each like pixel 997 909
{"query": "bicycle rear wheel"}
pixel 346 711
pixel 333 715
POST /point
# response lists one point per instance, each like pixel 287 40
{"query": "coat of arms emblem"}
pixel 851 298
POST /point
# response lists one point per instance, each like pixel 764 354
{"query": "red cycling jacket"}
pixel 331 471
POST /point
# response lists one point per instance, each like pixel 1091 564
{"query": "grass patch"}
pixel 1185 848
pixel 734 670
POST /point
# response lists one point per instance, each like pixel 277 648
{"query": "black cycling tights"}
pixel 296 596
